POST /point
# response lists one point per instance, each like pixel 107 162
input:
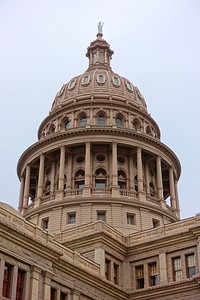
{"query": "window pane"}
pixel 83 121
pixel 72 218
pixel 118 121
pixel 101 216
pixel 7 280
pixel 20 285
pixel 67 124
pixel 101 120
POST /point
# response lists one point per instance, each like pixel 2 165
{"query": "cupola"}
pixel 99 52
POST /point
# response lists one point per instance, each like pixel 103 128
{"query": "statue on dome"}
pixel 100 26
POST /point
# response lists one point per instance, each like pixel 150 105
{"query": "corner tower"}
pixel 99 157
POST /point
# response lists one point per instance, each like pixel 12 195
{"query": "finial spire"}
pixel 100 26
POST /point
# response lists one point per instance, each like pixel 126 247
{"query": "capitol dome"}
pixel 99 157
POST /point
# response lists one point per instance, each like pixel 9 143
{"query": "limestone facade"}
pixel 99 214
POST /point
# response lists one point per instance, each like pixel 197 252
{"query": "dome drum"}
pixel 84 172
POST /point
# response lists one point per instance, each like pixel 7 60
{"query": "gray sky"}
pixel 156 45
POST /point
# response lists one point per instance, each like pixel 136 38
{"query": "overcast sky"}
pixel 156 45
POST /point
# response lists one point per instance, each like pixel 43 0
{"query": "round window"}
pixel 121 159
pixel 80 159
pixel 100 157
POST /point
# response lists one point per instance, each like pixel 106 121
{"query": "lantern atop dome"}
pixel 99 52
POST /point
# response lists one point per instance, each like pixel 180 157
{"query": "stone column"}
pixel 21 194
pixel 72 120
pixel 160 182
pixel 87 187
pixel 115 188
pixel 162 268
pixel 46 286
pixel 69 174
pixel 14 282
pixel 177 198
pixel 172 189
pixel 126 275
pixel 75 295
pixel 198 255
pixel 41 177
pixel 146 276
pixel 99 258
pixel 139 170
pixel 57 294
pixel 111 117
pixel 53 174
pixel 141 193
pixel 26 290
pixel 61 169
pixel 159 178
pixel 2 265
pixel 131 171
pixel 147 178
pixel 91 121
pixel 106 56
pixel 27 186
pixel 34 287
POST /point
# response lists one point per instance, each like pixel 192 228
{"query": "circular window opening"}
pixel 48 170
pixel 121 159
pixel 100 157
pixel 80 159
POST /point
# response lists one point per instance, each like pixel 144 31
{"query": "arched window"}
pixel 79 179
pixel 148 130
pixel 122 179
pixel 47 187
pixel 136 183
pixel 101 120
pixel 65 182
pixel 83 120
pixel 100 180
pixel 134 126
pixel 101 56
pixel 67 123
pixel 119 121
pixel 52 128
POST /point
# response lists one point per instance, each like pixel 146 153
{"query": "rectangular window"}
pixel 107 269
pixel 53 294
pixel 45 223
pixel 177 269
pixel 20 285
pixel 156 223
pixel 72 218
pixel 153 277
pixel 116 273
pixel 130 219
pixel 101 215
pixel 63 296
pixel 140 277
pixel 191 265
pixel 7 280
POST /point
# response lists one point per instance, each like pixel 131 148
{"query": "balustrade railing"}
pixel 101 191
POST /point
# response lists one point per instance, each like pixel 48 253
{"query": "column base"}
pixel 86 191
pixel 59 195
pixel 37 202
pixel 162 203
pixel 115 191
pixel 142 196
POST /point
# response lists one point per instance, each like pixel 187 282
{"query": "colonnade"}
pixel 141 182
